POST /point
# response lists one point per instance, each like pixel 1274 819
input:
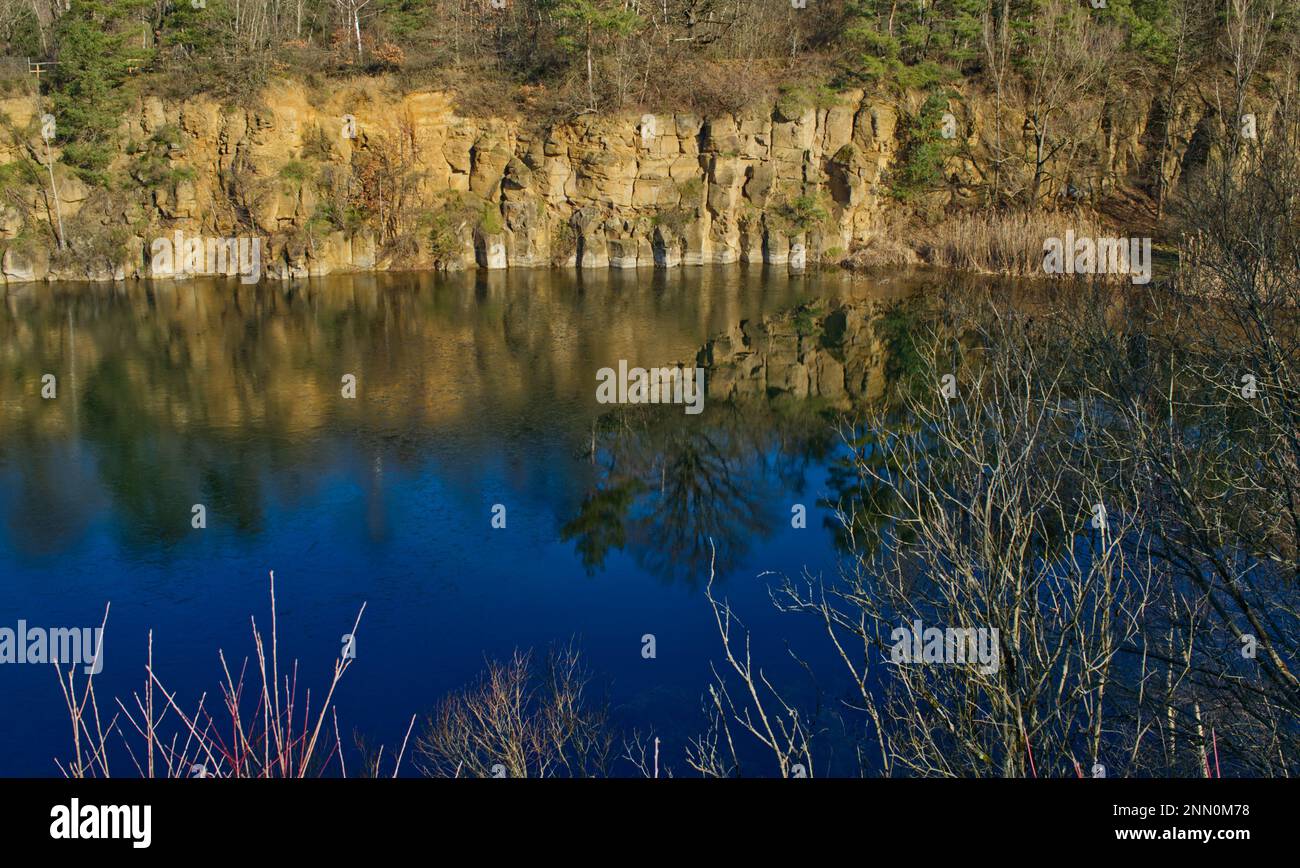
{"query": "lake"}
pixel 473 392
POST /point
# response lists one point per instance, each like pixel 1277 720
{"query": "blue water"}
pixel 473 391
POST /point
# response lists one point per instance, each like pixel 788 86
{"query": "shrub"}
pixel 1002 243
pixel 490 220
pixel 521 723
pixel 924 151
pixel 295 171
pixel 564 243
pixel 800 214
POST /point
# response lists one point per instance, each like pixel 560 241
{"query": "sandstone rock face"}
pixel 371 179
pixel 22 265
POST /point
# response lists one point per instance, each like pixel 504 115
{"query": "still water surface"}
pixel 473 390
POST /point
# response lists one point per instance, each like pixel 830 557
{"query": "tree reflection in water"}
pixel 668 484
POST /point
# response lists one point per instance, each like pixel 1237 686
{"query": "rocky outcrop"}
pixel 367 178
pixel 599 192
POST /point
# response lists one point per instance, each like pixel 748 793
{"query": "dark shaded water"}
pixel 471 391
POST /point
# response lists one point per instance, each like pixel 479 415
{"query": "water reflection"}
pixel 228 395
pixel 678 493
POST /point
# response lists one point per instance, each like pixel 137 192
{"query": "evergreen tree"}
pixel 88 83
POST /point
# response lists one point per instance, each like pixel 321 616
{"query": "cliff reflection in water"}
pixel 229 395
pixel 686 494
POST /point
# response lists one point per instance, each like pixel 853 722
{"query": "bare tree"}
pixel 518 723
pixel 1065 55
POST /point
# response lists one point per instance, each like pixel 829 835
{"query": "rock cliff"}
pixel 367 178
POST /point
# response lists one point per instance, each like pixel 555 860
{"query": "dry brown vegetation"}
pixel 265 728
pixel 1008 243
pixel 519 722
